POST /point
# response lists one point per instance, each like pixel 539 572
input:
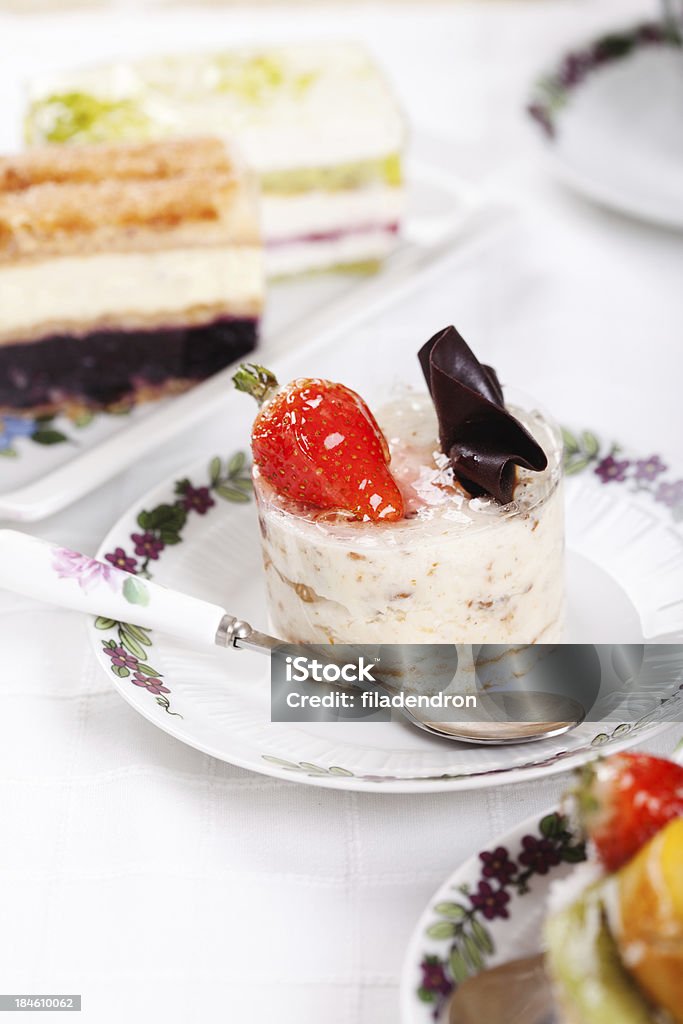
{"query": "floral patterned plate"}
pixel 609 112
pixel 198 534
pixel 489 911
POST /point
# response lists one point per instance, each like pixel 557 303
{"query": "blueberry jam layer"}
pixel 103 369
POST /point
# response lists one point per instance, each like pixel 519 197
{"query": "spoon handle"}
pixel 59 576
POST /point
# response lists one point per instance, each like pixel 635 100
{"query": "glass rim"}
pixel 346 531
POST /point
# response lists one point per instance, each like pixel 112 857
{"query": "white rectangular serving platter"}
pixel 66 460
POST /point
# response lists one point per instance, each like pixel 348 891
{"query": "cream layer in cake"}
pixel 129 291
pixel 455 570
pixel 314 120
pixel 370 209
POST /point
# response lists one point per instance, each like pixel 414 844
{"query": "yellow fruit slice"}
pixel 645 914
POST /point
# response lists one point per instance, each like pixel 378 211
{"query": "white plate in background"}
pixel 610 112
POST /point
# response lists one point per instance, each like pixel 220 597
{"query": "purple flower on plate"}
pixel 120 658
pixel 670 494
pixel 197 499
pixel 540 114
pixel 611 470
pixel 539 854
pixel 12 427
pixel 574 68
pixel 497 864
pixel 121 560
pixel 434 976
pixel 491 902
pixel 147 545
pixel 88 572
pixel 651 33
pixel 153 685
pixel 650 469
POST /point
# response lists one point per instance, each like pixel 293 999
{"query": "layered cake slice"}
pixel 317 122
pixel 127 272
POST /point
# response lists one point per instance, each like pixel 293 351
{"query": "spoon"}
pixel 517 992
pixel 47 572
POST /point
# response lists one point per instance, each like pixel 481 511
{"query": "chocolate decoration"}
pixel 483 441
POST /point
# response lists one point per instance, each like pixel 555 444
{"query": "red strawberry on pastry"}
pixel 317 442
pixel 625 800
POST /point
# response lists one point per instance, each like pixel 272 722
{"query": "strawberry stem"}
pixel 256 381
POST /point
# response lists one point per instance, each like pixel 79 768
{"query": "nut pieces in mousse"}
pixel 440 521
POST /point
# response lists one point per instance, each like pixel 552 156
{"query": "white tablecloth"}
pixel 166 886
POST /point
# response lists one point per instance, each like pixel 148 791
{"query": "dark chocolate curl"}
pixel 483 441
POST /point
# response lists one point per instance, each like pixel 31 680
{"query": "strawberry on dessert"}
pixel 317 442
pixel 624 801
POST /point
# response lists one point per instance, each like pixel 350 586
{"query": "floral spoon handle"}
pixel 59 576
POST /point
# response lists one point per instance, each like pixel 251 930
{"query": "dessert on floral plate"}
pixel 316 121
pixel 440 522
pixel 127 272
pixel 197 532
pixel 578 913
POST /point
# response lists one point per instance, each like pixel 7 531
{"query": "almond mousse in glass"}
pixel 456 568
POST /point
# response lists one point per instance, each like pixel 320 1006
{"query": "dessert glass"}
pixel 456 570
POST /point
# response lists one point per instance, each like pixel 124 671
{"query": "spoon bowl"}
pixel 516 992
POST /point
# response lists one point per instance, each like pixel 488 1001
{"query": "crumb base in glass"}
pixel 455 570
pixel 105 369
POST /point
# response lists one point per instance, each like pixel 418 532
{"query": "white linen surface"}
pixel 164 885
